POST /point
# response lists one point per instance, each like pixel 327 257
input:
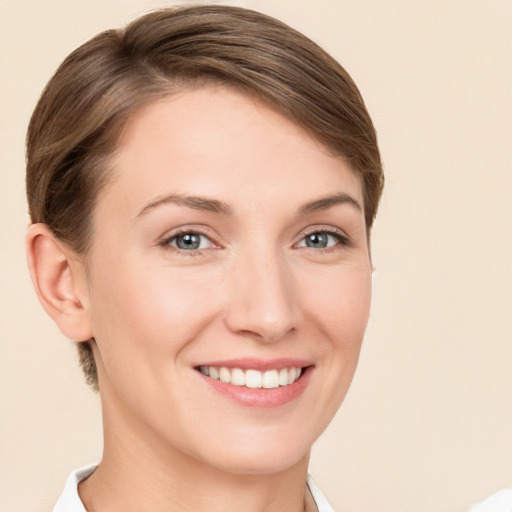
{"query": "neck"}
pixel 140 471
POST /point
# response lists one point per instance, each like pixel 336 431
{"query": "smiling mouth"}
pixel 253 379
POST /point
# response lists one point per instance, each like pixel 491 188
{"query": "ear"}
pixel 59 280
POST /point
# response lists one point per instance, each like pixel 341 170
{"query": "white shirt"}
pixel 498 502
pixel 71 502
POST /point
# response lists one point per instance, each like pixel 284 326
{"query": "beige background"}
pixel 427 425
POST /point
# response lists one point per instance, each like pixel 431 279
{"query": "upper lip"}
pixel 249 363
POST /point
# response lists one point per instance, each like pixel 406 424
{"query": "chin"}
pixel 263 464
pixel 260 456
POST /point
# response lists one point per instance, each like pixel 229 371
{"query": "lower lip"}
pixel 261 397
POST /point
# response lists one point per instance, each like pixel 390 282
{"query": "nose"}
pixel 262 299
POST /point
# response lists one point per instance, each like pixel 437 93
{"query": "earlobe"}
pixel 58 283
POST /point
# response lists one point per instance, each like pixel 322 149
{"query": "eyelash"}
pixel 343 241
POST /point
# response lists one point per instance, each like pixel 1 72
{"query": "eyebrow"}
pixel 324 203
pixel 220 207
pixel 194 202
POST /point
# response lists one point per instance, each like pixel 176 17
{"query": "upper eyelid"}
pixel 173 233
pixel 324 229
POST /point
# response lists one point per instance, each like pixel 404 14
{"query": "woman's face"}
pixel 226 238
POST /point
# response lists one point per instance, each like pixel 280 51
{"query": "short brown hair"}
pixel 79 117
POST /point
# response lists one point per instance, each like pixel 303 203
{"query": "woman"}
pixel 202 186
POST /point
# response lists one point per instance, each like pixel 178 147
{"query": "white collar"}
pixel 71 502
pixel 498 502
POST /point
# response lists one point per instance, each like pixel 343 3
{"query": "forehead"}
pixel 213 141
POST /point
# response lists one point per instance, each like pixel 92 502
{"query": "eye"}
pixel 323 240
pixel 189 241
pixel 319 240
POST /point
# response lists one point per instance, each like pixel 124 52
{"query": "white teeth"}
pixel 224 375
pixel 253 378
pixel 237 377
pixel 271 379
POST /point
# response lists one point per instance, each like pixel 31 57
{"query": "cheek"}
pixel 146 318
pixel 139 301
pixel 339 299
pixel 340 309
pixel 146 313
pixel 337 302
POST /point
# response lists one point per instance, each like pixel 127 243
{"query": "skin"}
pixel 254 289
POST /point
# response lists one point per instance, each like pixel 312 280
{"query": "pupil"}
pixel 188 241
pixel 318 240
